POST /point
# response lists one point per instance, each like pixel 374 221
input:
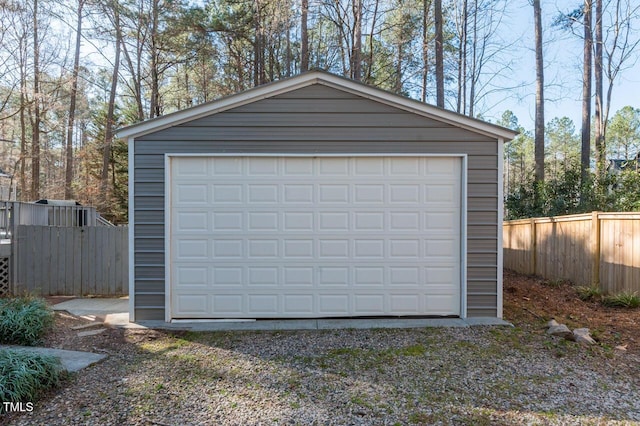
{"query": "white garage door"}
pixel 325 236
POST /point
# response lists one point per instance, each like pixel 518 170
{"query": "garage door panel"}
pixel 369 276
pixel 227 276
pixel 298 304
pixel 299 276
pixel 191 194
pixel 227 193
pixel 264 304
pixel 192 276
pixel 262 237
pixel 225 166
pixel 259 276
pixel 192 304
pixel 369 304
pixel 299 248
pixel 226 304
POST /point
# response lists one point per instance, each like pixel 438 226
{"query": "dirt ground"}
pixel 529 302
pixel 511 376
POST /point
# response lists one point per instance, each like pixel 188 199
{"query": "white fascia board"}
pixel 131 254
pixel 307 79
pixel 500 278
pixel 214 107
pixel 417 107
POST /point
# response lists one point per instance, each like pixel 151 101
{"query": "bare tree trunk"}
pixel 437 4
pixel 474 61
pixel 23 124
pixel 68 176
pixel 425 48
pixel 356 51
pixel 599 119
pixel 259 76
pixel 35 140
pixel 289 58
pixel 155 84
pixel 462 62
pixel 374 19
pixel 108 134
pixel 586 96
pixel 539 120
pixel 304 42
pixel 398 83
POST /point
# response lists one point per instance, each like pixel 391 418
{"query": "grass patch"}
pixel 24 375
pixel 554 283
pixel 590 293
pixel 622 300
pixel 24 320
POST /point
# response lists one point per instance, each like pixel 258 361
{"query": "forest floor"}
pixel 460 376
pixel 529 302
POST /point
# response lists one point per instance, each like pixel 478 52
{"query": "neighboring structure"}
pixel 6 181
pixel 58 247
pixel 311 197
pixel 616 166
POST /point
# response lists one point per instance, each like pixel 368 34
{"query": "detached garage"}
pixel 315 197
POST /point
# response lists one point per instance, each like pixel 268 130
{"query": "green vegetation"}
pixel 563 192
pixel 590 293
pixel 554 283
pixel 622 300
pixel 24 320
pixel 24 375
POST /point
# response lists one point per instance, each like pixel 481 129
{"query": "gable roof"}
pixel 308 79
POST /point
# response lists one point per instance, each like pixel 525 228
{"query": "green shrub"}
pixel 24 320
pixel 554 283
pixel 622 300
pixel 24 375
pixel 589 293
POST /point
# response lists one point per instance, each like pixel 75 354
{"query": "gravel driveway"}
pixel 475 376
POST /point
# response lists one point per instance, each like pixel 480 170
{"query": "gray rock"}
pixel 560 330
pixel 552 323
pixel 582 335
pixel 91 332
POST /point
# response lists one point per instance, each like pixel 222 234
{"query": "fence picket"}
pixel 73 261
pixel 596 248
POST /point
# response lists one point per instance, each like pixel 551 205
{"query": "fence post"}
pixel 532 246
pixel 595 248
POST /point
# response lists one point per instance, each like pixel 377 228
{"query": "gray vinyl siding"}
pixel 316 119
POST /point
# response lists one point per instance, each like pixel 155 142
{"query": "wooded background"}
pixel 71 73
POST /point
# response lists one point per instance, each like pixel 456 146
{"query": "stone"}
pixel 91 332
pixel 582 336
pixel 552 323
pixel 90 325
pixel 560 330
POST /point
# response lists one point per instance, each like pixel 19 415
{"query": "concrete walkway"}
pixel 112 312
pixel 71 360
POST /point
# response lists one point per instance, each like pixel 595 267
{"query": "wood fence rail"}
pixel 588 249
pixel 71 261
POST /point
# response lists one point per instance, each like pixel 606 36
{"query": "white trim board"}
pixel 308 79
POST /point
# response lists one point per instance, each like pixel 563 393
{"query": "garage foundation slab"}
pixel 324 324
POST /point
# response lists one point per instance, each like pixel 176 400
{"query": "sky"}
pixel 563 70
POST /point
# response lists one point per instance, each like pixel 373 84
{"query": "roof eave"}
pixel 307 79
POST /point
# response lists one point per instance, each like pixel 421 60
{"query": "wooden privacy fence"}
pixel 80 261
pixel 596 248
